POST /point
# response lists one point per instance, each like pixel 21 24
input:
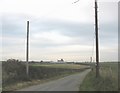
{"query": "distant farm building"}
pixel 61 60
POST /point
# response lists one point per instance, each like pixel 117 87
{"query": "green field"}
pixel 67 66
pixel 108 80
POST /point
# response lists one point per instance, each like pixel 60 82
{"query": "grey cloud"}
pixel 108 34
pixel 13 25
pixel 83 34
pixel 73 30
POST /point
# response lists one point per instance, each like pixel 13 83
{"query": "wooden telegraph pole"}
pixel 97 42
pixel 27 50
pixel 91 59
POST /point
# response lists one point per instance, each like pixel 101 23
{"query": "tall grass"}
pixel 108 80
pixel 12 72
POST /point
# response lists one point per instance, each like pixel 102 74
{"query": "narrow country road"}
pixel 68 83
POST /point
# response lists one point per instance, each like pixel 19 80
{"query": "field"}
pixel 14 73
pixel 108 80
pixel 67 66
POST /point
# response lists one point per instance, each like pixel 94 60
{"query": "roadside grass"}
pixel 108 80
pixel 14 74
pixel 0 78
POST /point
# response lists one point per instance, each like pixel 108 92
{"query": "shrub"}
pixel 13 71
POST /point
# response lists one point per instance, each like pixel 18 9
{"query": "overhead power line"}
pixel 76 1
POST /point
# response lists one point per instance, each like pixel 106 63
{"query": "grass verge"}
pixel 108 80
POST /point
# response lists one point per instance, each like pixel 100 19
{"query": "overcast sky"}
pixel 58 29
